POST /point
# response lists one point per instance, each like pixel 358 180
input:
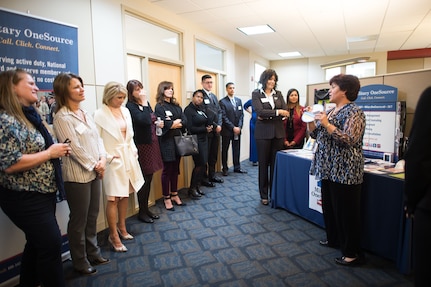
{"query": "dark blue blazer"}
pixel 232 117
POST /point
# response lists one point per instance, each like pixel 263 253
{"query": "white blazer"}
pixel 119 171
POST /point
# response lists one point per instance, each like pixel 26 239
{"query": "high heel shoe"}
pixel 168 199
pixel 124 237
pixel 178 201
pixel 122 248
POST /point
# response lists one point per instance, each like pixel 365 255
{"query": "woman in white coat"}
pixel 123 174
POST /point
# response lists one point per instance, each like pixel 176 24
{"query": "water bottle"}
pixel 158 129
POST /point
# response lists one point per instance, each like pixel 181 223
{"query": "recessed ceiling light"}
pixel 362 38
pixel 289 54
pixel 254 30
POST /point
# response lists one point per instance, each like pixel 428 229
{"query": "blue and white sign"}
pixel 379 103
pixel 41 47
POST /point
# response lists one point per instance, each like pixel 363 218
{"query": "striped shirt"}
pixel 87 146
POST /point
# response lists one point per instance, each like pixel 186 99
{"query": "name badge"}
pixel 81 128
pixel 264 100
pixel 207 101
pixel 168 113
pixel 239 108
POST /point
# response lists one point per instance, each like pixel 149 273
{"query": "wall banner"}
pixel 41 47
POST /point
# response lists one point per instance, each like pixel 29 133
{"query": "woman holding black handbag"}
pixel 174 120
pixel 199 124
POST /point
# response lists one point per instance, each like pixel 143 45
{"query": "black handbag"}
pixel 186 144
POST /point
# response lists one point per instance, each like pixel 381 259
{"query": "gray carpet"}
pixel 229 239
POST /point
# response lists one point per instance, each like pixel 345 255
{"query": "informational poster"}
pixel 315 193
pixel 379 103
pixel 43 48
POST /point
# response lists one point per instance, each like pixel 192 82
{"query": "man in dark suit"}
pixel 212 108
pixel 232 115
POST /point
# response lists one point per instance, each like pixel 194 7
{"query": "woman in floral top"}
pixel 339 163
pixel 30 178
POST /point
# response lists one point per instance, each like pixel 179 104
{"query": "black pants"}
pixel 266 152
pixel 225 143
pixel 213 149
pixel 341 204
pixel 34 214
pixel 421 247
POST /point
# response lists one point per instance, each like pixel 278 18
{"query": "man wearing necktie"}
pixel 212 109
pixel 232 115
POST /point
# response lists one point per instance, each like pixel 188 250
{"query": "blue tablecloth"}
pixel 385 231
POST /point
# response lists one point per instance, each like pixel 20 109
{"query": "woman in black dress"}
pixel 144 125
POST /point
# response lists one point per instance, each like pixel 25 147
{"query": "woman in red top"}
pixel 295 128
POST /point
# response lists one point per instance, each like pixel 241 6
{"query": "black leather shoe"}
pixel 208 184
pixel 216 179
pixel 99 261
pixel 342 261
pixel 327 244
pixel 153 216
pixel 145 218
pixel 240 171
pixel 87 271
pixel 200 191
pixel 224 172
pixel 194 194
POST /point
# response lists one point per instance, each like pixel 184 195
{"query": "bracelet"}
pixel 327 125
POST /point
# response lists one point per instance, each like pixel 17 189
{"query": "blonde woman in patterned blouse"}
pixel 339 163
pixel 30 175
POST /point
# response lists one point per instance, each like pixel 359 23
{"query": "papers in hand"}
pixel 308 117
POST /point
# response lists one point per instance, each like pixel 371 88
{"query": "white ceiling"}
pixel 315 28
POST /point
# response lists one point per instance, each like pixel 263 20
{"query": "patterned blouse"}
pixel 16 139
pixel 339 156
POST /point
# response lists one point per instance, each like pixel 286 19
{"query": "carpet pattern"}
pixel 228 238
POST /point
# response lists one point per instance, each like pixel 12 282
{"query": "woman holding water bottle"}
pixel 149 156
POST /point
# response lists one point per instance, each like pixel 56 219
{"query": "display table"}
pixel 385 231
